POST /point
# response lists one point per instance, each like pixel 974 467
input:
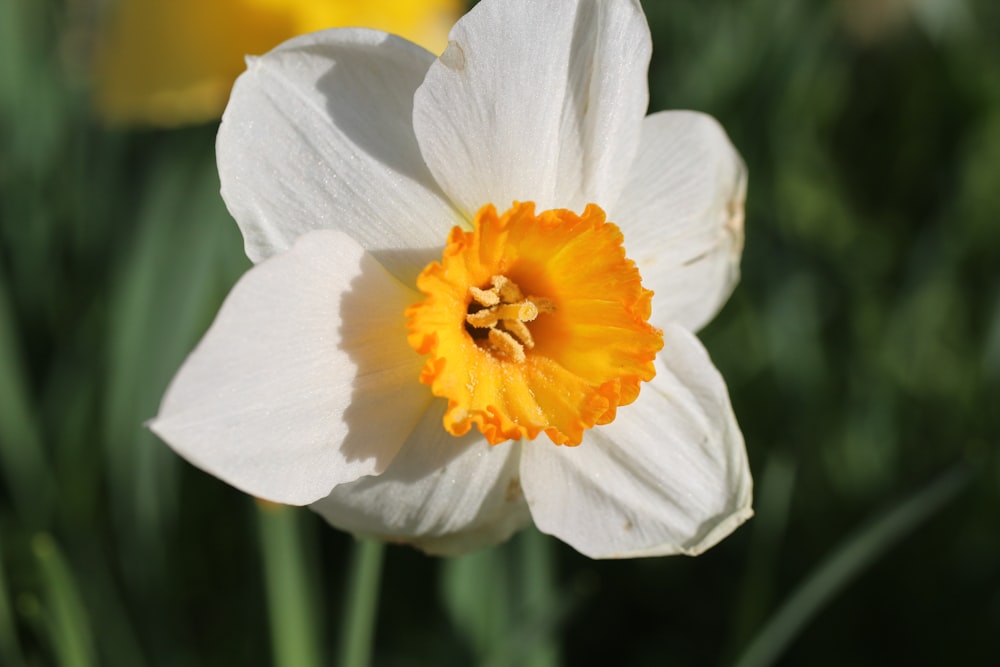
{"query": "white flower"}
pixel 345 157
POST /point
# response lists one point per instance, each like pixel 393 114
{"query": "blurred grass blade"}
pixel 539 605
pixel 10 647
pixel 848 561
pixel 773 503
pixel 292 610
pixel 66 617
pixel 361 604
pixel 539 599
pixel 475 593
pixel 505 602
pixel 21 453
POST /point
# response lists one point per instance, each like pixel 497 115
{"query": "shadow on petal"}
pixel 388 400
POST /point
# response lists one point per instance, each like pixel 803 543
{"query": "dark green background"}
pixel 862 351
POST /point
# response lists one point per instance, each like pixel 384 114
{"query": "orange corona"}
pixel 534 323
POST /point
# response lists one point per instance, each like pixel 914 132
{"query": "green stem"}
pixel 291 609
pixel 539 598
pixel 361 607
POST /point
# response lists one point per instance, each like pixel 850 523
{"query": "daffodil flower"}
pixel 476 285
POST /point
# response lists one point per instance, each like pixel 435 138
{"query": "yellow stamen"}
pixel 484 297
pixel 521 331
pixel 560 360
pixel 503 313
pixel 505 344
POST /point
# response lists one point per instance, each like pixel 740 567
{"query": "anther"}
pixel 520 330
pixel 509 291
pixel 507 346
pixel 484 297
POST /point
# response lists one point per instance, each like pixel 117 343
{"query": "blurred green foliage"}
pixel 862 351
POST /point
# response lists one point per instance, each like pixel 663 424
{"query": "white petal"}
pixel 318 134
pixel 304 380
pixel 668 476
pixel 443 494
pixel 682 216
pixel 536 101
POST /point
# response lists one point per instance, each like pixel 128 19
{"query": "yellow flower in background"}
pixel 173 62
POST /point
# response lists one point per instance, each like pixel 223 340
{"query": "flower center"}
pixel 499 315
pixel 534 323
